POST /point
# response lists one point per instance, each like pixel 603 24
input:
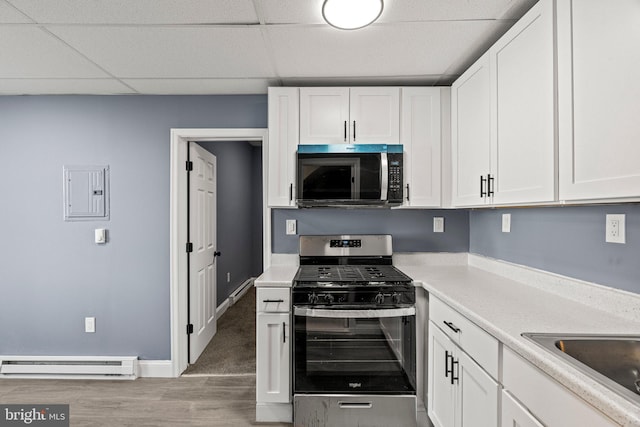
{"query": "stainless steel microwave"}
pixel 368 175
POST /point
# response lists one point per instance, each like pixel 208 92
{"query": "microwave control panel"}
pixel 395 177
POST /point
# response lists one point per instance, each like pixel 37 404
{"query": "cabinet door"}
pixel 470 134
pixel 374 114
pixel 523 138
pixel 514 414
pixel 273 350
pixel 479 393
pixel 598 99
pixel 441 393
pixel 282 145
pixel 324 115
pixel 421 139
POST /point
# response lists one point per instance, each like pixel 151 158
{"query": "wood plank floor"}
pixel 223 401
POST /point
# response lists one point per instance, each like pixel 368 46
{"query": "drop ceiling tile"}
pixel 438 10
pixel 62 87
pixel 172 52
pixel 9 15
pixel 292 11
pixel 310 11
pixel 410 49
pixel 139 11
pixel 200 86
pixel 31 52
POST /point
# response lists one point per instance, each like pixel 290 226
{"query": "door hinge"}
pixel 189 247
pixel 189 328
pixel 189 166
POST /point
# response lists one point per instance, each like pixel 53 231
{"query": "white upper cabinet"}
pixel 283 143
pixel 599 99
pixel 364 115
pixel 523 100
pixel 421 137
pixel 503 118
pixel 470 135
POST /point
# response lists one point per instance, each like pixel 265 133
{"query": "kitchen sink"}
pixel 611 360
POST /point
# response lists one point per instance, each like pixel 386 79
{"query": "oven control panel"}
pixel 345 243
pixel 391 297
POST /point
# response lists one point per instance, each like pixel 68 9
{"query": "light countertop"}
pixel 506 308
pixel 507 300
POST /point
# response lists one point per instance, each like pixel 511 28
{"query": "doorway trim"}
pixel 178 237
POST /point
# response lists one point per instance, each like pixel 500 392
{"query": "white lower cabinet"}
pixel 514 414
pixel 545 399
pixel 461 393
pixel 273 356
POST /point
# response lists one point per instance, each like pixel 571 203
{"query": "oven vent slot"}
pixel 72 367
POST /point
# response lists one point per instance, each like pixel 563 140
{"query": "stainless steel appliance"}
pixel 354 351
pixel 349 175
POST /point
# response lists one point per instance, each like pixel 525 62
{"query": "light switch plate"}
pixel 506 223
pixel 90 324
pixel 291 226
pixel 100 236
pixel 438 224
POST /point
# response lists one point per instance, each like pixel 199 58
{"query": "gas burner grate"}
pixel 350 273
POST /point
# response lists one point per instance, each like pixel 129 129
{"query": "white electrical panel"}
pixel 86 193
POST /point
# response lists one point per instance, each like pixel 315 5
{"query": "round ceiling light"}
pixel 351 14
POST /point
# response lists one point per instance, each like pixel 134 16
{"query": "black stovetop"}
pixel 350 273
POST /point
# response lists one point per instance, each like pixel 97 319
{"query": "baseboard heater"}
pixel 75 367
pixel 241 290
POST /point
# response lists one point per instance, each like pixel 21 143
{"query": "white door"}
pixel 479 395
pixel 202 235
pixel 324 115
pixel 273 348
pixel 441 393
pixel 471 134
pixel 374 114
pixel 522 96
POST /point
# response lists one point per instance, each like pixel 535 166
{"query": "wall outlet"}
pixel 90 324
pixel 615 229
pixel 506 223
pixel 291 226
pixel 438 224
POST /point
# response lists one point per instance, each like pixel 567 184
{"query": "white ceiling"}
pixel 236 46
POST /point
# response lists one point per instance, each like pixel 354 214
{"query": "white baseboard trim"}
pixel 222 308
pixel 241 290
pixel 155 369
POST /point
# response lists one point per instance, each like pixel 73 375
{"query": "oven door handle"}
pixel 354 314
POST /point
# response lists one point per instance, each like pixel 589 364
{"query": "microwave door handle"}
pixel 384 178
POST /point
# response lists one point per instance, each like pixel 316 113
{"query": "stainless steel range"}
pixel 354 327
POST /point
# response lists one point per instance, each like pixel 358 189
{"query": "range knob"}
pixel 328 299
pixel 312 298
pixel 396 298
pixel 379 298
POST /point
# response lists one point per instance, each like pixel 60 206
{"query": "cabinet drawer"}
pixel 274 300
pixel 547 399
pixel 477 343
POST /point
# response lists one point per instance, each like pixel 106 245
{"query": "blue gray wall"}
pixel 52 275
pixel 564 240
pixel 412 230
pixel 239 222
